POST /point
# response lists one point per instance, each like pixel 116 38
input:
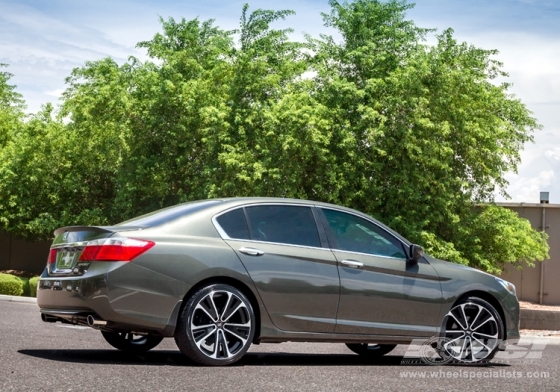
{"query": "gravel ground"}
pixel 530 305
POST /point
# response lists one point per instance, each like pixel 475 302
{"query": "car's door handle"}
pixel 251 251
pixel 352 264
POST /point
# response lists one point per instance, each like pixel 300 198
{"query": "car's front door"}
pixel 381 292
pixel 296 277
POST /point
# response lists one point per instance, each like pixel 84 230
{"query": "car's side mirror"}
pixel 416 253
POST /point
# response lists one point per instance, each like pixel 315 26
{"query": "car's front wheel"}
pixel 130 342
pixel 216 326
pixel 371 351
pixel 472 330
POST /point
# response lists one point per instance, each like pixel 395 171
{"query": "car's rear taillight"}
pixel 52 256
pixel 115 249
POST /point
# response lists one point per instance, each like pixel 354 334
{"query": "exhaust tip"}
pixel 48 319
pixel 93 322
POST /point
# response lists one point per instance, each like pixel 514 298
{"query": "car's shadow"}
pixel 174 358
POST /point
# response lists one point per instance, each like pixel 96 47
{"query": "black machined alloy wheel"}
pixel 473 331
pixel 371 351
pixel 216 326
pixel 130 342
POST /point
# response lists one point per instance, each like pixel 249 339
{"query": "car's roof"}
pixel 279 200
pixel 217 205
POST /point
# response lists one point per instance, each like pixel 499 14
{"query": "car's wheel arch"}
pixel 488 298
pixel 234 283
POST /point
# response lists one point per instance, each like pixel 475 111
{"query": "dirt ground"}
pixel 530 305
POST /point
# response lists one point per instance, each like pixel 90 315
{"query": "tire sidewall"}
pixel 501 330
pixel 115 340
pixel 185 340
pixel 371 351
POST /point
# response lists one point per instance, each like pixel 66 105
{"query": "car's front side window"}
pixel 355 234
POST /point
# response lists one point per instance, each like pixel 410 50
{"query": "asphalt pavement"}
pixel 38 356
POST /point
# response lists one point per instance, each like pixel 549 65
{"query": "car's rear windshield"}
pixel 169 214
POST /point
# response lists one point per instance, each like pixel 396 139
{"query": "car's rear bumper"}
pixel 116 293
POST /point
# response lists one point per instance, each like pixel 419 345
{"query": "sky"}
pixel 42 41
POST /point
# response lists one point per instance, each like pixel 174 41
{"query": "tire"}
pixel 472 332
pixel 216 326
pixel 131 343
pixel 371 351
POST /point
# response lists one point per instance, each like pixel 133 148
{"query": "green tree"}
pixel 44 181
pixel 426 129
pixel 416 135
pixel 11 107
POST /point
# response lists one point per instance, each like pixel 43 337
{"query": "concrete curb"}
pixel 18 299
pixel 540 319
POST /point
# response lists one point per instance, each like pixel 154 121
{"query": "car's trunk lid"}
pixel 69 243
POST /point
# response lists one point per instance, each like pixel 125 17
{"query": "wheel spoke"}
pixel 464 317
pixel 241 305
pixel 216 344
pixel 197 327
pixel 454 340
pixel 203 338
pixel 471 349
pixel 453 349
pixel 242 339
pixel 211 297
pixel 199 306
pixel 485 346
pixel 484 322
pixel 480 308
pixel 486 335
pixel 458 322
pixel 246 325
pixel 223 343
pixel 230 295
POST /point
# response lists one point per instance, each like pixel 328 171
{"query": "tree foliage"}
pixel 11 107
pixel 416 135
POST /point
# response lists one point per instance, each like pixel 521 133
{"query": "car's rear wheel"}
pixel 130 342
pixel 473 331
pixel 371 351
pixel 216 326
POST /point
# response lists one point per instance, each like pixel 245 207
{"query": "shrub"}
pixel 10 285
pixel 33 286
pixel 25 282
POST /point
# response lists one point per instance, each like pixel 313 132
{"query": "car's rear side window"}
pixel 293 225
pixel 234 224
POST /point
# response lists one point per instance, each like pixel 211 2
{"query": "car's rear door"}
pixel 293 269
pixel 381 292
